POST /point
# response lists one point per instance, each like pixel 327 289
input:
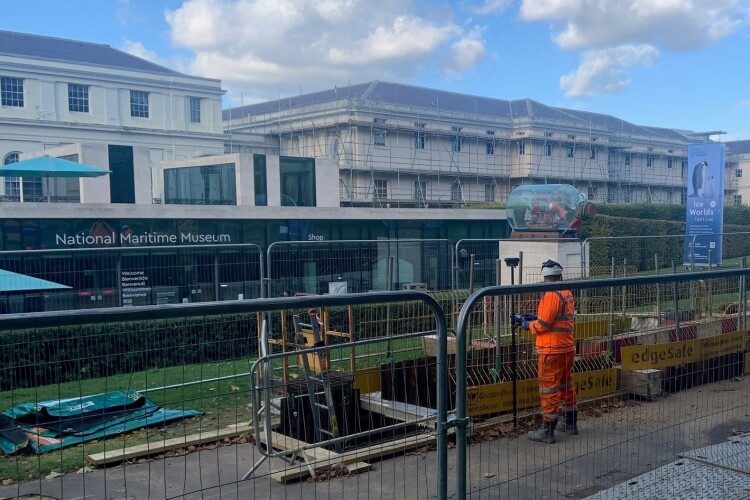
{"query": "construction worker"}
pixel 553 328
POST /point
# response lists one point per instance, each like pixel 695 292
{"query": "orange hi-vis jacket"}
pixel 554 324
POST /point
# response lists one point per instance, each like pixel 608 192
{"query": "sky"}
pixel 681 64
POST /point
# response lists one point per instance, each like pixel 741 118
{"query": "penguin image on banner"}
pixel 702 181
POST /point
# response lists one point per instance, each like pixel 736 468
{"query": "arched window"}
pixel 12 184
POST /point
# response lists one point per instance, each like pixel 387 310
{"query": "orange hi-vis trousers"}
pixel 556 384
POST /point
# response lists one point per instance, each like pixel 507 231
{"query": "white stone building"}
pixel 58 92
pixel 402 145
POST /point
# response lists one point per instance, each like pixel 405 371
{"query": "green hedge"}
pixel 640 251
pixel 55 355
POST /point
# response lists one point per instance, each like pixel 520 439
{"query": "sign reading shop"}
pixel 145 239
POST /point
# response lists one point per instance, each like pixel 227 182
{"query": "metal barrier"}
pixel 196 356
pixel 132 276
pixel 687 343
pixel 358 265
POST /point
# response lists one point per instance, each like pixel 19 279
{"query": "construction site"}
pixel 403 146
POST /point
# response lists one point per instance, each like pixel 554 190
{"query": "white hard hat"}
pixel 552 267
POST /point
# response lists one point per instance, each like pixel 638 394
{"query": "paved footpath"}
pixel 616 446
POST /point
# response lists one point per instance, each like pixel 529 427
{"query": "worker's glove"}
pixel 529 317
pixel 516 319
pixel 525 325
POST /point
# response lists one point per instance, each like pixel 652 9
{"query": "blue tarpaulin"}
pixel 50 425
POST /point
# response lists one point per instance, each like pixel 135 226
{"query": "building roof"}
pixel 72 51
pixel 738 147
pixel 445 101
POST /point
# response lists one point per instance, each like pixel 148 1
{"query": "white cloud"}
pixel 405 37
pixel 620 34
pixel 466 52
pixel 675 24
pixel 137 49
pixel 270 47
pixel 601 71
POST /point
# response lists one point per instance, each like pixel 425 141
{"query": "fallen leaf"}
pixel 488 475
pixel 8 482
pixel 53 475
pixel 84 470
pixel 234 387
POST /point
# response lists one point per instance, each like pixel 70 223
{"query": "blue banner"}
pixel 705 204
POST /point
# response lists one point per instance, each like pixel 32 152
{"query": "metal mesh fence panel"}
pixel 114 277
pixel 156 402
pixel 323 266
pixel 659 375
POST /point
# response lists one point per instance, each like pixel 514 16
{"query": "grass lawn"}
pixel 224 402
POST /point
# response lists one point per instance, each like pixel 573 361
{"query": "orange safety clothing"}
pixel 556 384
pixel 554 324
pixel 556 349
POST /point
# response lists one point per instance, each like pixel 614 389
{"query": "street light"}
pixel 512 263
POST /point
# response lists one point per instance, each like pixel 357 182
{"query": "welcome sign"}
pixel 705 204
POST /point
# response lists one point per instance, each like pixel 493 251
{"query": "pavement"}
pixel 618 444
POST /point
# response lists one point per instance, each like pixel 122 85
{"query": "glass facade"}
pixel 206 185
pixel 297 181
pixel 260 177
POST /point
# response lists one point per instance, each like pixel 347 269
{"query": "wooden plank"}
pixel 154 447
pixel 396 410
pixel 351 459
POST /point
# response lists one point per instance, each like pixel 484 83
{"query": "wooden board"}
pixel 154 447
pixel 323 459
pixel 396 410
pixel 352 458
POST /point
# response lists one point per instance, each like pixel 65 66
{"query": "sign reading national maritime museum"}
pixel 128 238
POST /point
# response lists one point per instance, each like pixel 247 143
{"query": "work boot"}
pixel 544 434
pixel 570 425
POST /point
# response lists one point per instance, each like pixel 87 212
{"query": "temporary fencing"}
pixel 369 368
pixel 343 266
pixel 137 276
pixel 659 338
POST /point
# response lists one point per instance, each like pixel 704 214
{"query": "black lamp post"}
pixel 512 263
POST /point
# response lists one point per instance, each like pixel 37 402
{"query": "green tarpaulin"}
pixel 50 425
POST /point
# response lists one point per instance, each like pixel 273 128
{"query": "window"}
pixel 627 160
pixel 669 162
pixel 456 194
pixel 683 197
pixel 547 149
pixel 419 140
pixel 297 181
pixel 592 153
pixel 12 184
pixel 12 91
pixel 738 173
pixel 78 98
pixel 419 137
pixel 570 150
pixel 381 189
pixel 521 148
pixel 195 110
pixel 138 104
pixel 456 145
pixel 683 168
pixel 378 137
pixel 649 160
pixel 420 190
pixel 737 199
pixel 205 185
pixel 490 146
pixel 489 192
pixel 259 179
pixel 591 194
